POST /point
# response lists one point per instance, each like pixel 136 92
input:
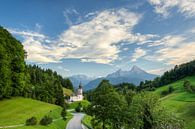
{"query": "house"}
pixel 77 95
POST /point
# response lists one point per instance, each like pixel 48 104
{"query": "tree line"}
pixel 177 73
pixel 19 79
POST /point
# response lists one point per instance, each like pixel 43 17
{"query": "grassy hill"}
pixel 73 105
pixel 67 92
pixel 16 110
pixel 181 102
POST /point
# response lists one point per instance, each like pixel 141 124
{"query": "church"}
pixel 77 95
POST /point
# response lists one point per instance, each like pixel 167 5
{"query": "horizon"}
pixel 98 38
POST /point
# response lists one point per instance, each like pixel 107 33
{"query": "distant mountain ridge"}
pixel 77 79
pixel 135 76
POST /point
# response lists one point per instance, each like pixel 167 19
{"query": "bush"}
pixel 31 121
pixel 78 109
pixel 64 113
pixel 46 120
pixel 166 92
pixel 188 87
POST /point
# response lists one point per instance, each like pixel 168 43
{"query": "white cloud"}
pixel 170 40
pixel 159 71
pixel 69 13
pixel 186 7
pixel 96 40
pixel 173 49
pixel 181 54
pixel 26 33
pixel 138 54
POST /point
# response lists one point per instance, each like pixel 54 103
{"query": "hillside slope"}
pixel 180 101
pixel 16 110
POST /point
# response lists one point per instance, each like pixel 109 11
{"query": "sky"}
pixel 98 37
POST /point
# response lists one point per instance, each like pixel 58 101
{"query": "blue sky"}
pixel 101 36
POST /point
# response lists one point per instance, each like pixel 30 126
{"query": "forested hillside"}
pixel 19 79
pixel 12 65
pixel 45 85
pixel 177 73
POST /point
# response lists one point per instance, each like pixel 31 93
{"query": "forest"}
pixel 177 73
pixel 20 79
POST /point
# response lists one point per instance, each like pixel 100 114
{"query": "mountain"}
pixel 135 76
pixel 77 79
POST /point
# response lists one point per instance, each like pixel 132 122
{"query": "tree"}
pixel 12 65
pixel 146 112
pixel 78 108
pixel 188 87
pixel 177 73
pixel 68 84
pixel 171 89
pixel 64 113
pixel 107 106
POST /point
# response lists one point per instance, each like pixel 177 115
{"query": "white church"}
pixel 78 95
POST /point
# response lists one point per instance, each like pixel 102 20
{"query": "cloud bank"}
pixel 97 40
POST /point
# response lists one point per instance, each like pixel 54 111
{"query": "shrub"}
pixel 171 89
pixel 31 121
pixel 164 93
pixel 46 120
pixel 64 113
pixel 188 87
pixel 78 109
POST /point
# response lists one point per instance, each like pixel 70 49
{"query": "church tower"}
pixel 80 92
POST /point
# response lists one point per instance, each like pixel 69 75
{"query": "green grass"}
pixel 87 120
pixel 59 124
pixel 16 110
pixel 67 92
pixel 73 105
pixel 180 102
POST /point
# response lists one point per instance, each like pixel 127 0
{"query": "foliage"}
pixel 73 105
pixel 31 121
pixel 177 73
pixel 68 84
pixel 87 121
pixel 129 109
pixel 146 112
pixel 19 79
pixel 78 108
pixel 188 87
pixel 46 120
pixel 64 113
pixel 180 102
pixel 168 91
pixel 122 88
pixel 107 106
pixel 67 92
pixel 12 65
pixel 44 85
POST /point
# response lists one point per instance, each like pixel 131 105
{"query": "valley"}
pixel 91 64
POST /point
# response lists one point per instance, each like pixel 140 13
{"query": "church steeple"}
pixel 80 85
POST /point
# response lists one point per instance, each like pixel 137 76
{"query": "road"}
pixel 75 122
